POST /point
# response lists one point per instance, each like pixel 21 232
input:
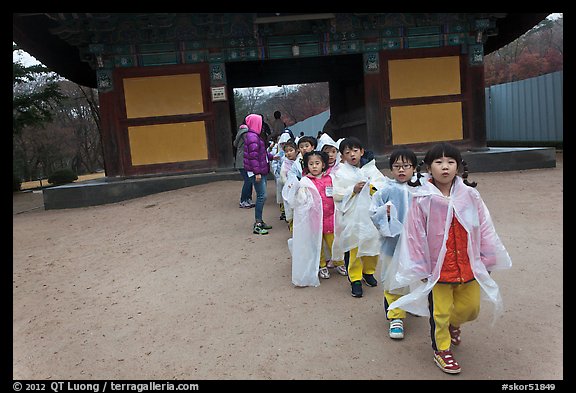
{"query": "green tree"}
pixel 32 105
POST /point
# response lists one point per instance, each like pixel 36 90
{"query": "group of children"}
pixel 431 233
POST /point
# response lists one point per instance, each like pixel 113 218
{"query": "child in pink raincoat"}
pixel 313 221
pixel 446 252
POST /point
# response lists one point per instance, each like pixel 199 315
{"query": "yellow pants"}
pixel 362 265
pixel 329 239
pixel 451 304
pixel 396 313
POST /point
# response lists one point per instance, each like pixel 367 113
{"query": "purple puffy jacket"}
pixel 256 157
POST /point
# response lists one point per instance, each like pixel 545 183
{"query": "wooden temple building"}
pixel 166 80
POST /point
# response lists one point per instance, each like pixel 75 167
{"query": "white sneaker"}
pixel 396 329
pixel 342 270
pixel 324 273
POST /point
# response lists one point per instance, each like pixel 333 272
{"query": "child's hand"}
pixel 358 187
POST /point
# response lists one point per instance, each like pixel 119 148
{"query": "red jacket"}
pixel 456 267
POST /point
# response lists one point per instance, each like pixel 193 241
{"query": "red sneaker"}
pixel 445 360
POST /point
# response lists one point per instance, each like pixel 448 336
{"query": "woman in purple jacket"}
pixel 257 165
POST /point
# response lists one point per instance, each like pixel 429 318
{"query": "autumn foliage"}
pixel 538 52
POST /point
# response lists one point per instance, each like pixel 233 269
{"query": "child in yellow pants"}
pixel 361 267
pixel 388 210
pixel 451 305
pixel 328 238
pixel 355 181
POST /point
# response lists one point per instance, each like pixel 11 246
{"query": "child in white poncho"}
pixel 305 144
pixel 290 154
pixel 354 183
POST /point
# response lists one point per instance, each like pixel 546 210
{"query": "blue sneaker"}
pixel 396 329
pixel 356 288
pixel 369 280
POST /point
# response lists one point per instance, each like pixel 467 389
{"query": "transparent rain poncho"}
pixel 395 196
pixel 353 226
pixel 306 240
pixel 422 244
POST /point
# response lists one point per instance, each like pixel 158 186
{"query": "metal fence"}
pixel 530 110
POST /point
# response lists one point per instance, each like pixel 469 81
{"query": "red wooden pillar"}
pixel 476 107
pixel 109 131
pixel 378 135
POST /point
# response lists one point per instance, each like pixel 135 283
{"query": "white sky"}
pixel 24 58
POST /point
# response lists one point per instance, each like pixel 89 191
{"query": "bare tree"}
pixel 79 113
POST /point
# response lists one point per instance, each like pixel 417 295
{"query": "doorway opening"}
pixel 330 83
pixel 296 103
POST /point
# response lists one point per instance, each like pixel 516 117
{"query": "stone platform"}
pixel 110 190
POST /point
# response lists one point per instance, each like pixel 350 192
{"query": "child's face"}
pixel 305 147
pixel 352 155
pixel 402 170
pixel 332 154
pixel 290 152
pixel 443 170
pixel 315 165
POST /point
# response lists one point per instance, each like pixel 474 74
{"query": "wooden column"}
pixel 377 127
pixel 221 112
pixel 223 134
pixel 477 107
pixel 109 134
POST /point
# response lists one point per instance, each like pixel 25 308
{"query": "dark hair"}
pixel 407 154
pixel 323 155
pixel 403 152
pixel 418 175
pixel 290 142
pixel 350 143
pixel 277 114
pixel 265 129
pixel 445 149
pixel 313 141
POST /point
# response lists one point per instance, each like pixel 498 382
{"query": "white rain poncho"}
pixel 275 167
pixel 422 244
pixel 326 140
pixel 306 240
pixel 352 225
pixel 396 196
pixel 289 189
pixel 281 167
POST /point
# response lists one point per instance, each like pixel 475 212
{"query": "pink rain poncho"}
pixel 422 244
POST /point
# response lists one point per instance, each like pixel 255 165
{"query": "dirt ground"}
pixel 175 286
